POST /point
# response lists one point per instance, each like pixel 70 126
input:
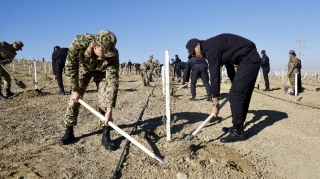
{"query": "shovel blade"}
pixel 287 89
pixel 21 84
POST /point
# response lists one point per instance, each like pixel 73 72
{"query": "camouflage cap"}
pixel 292 52
pixel 20 44
pixel 107 41
pixel 150 58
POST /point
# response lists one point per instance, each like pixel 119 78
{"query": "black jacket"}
pixel 129 64
pixel 181 65
pixel 177 60
pixel 265 63
pixel 192 62
pixel 137 65
pixel 226 49
pixel 60 54
pixel 299 66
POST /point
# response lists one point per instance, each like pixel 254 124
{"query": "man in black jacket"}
pixel 199 67
pixel 59 56
pixel 228 49
pixel 265 65
pixel 299 77
pixel 174 62
pixel 179 67
pixel 137 68
pixel 129 65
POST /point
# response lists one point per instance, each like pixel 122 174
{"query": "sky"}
pixel 149 27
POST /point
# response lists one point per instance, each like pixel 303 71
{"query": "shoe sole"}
pixel 222 141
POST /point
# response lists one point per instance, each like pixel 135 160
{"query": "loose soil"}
pixel 281 134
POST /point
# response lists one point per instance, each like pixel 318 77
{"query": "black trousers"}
pixel 299 83
pixel 58 69
pixel 137 70
pixel 265 72
pixel 202 71
pixel 242 87
pixel 178 72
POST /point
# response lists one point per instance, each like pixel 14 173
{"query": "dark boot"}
pixel 61 92
pixel 144 83
pixel 97 85
pixel 193 98
pixel 148 84
pixel 68 136
pixel 106 141
pixel 227 129
pixel 9 93
pixel 236 133
pixel 209 98
pixel 2 97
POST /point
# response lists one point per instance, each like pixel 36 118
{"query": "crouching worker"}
pixel 59 56
pixel 228 49
pixel 199 67
pixel 89 53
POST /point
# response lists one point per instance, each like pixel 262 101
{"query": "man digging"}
pixel 225 49
pixel 92 54
pixel 7 54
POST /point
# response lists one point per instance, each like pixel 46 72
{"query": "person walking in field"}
pixel 265 65
pixel 88 54
pixel 146 70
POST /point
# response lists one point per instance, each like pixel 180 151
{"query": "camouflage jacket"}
pixel 156 65
pixel 123 64
pixel 293 66
pixel 7 53
pixel 81 60
pixel 146 66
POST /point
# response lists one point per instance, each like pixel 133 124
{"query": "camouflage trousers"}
pixel 157 71
pixel 6 78
pixel 122 70
pixel 73 107
pixel 145 75
pixel 292 81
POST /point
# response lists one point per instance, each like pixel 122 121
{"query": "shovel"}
pixel 124 134
pixel 40 90
pixel 174 91
pixel 287 87
pixel 18 83
pixel 206 121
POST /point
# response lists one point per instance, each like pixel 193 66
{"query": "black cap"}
pixel 292 52
pixel 56 47
pixel 191 45
pixel 263 52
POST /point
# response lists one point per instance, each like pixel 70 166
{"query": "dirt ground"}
pixel 281 132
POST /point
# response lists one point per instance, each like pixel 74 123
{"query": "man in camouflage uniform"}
pixel 7 54
pixel 146 70
pixel 122 67
pixel 88 56
pixel 157 69
pixel 292 68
